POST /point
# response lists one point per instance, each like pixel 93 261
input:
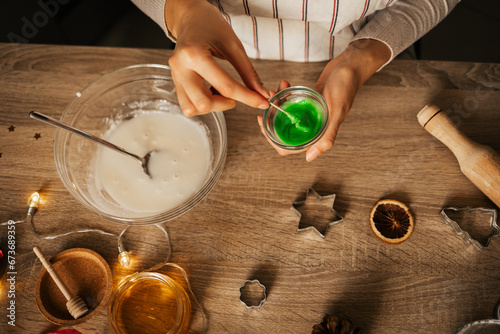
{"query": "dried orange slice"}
pixel 391 221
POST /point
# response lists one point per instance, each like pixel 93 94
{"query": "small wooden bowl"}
pixel 86 274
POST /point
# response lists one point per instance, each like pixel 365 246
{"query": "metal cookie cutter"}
pixel 312 214
pixel 479 244
pixel 253 294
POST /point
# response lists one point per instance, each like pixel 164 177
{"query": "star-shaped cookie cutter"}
pixel 495 229
pixel 321 231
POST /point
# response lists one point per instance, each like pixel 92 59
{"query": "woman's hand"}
pixel 339 82
pixel 282 85
pixel 202 34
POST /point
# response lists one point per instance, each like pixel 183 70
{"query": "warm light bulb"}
pixel 34 200
pixel 124 259
pixel 33 204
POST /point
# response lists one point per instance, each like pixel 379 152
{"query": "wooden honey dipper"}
pixel 75 305
pixel 480 163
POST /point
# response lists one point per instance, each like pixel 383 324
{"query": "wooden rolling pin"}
pixel 480 163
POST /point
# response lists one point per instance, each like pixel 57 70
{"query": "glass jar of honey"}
pixel 149 302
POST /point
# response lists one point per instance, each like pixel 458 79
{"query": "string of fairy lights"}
pixel 124 257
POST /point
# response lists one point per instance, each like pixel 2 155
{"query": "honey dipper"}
pixel 480 163
pixel 75 305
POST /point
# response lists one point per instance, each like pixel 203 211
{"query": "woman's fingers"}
pixel 240 61
pixel 339 103
pixel 185 103
pixel 283 84
pixel 324 144
pixel 228 87
pixel 205 99
pixel 195 97
pixel 202 35
pixel 278 149
pixel 192 68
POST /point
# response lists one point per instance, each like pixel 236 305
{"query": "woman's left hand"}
pixel 339 82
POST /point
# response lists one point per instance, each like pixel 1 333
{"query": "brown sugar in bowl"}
pixel 86 274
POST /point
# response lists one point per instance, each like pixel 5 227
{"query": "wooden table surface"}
pixel 432 283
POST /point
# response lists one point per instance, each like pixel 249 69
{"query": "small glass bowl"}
pixel 295 93
pixel 113 97
pixel 149 302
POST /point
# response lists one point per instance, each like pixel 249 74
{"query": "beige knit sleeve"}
pixel 403 23
pixel 155 9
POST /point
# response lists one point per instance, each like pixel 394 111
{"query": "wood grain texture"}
pixel 431 283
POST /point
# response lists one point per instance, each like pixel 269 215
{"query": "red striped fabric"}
pixel 352 29
pixel 332 43
pixel 280 36
pixel 365 9
pixel 245 7
pixel 226 16
pixel 255 37
pixel 306 39
pixel 297 10
pixel 304 10
pixel 335 13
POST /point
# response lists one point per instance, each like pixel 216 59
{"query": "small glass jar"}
pixel 149 302
pixel 304 122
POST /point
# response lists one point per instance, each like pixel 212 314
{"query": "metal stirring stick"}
pixel 49 120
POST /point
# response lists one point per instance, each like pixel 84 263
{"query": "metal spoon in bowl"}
pixel 49 120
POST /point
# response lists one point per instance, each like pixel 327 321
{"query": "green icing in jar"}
pixel 301 122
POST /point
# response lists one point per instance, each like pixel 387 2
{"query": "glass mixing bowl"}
pixel 114 97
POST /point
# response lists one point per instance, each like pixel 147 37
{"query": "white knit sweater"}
pixel 318 30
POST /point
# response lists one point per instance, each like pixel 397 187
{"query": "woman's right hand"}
pixel 202 34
